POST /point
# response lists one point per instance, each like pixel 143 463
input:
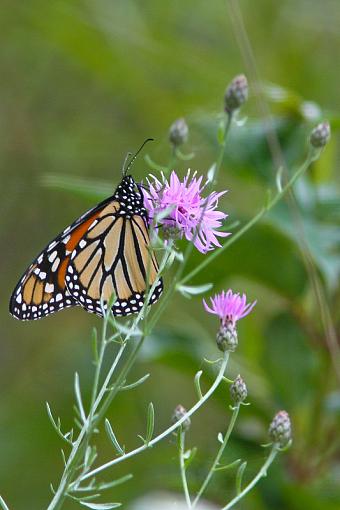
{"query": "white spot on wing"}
pixel 55 264
pixel 53 256
pixel 49 287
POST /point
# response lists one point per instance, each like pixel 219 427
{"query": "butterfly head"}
pixel 129 195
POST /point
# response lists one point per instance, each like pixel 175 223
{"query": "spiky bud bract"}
pixel 238 390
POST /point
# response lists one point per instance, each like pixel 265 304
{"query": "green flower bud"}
pixel 238 390
pixel 226 337
pixel 280 430
pixel 178 413
pixel 178 132
pixel 236 93
pixel 320 135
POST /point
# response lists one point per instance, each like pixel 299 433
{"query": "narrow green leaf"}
pixel 239 476
pixel 197 384
pixel 113 438
pixel 153 165
pixel 220 437
pixel 78 397
pixel 90 456
pixel 135 384
pixel 182 156
pixel 228 466
pixel 56 425
pixel 114 483
pixel 194 289
pixel 211 172
pixel 150 425
pixel 95 345
pixel 189 457
pixel 100 506
pixel 83 187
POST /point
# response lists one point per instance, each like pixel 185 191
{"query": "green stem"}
pixel 262 473
pixel 169 430
pixel 181 451
pixel 218 456
pixel 271 203
pixel 3 504
pixel 79 446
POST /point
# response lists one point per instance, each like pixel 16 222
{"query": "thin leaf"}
pixel 81 499
pixel 184 157
pixel 66 437
pixel 95 345
pixel 114 483
pixel 197 383
pixel 90 456
pixel 100 506
pixel 83 187
pixel 135 384
pixel 78 397
pixel 153 165
pixel 189 457
pixel 239 476
pixel 113 438
pixel 211 173
pixel 228 466
pixel 150 424
pixel 194 290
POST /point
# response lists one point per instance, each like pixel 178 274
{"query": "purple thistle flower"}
pixel 189 213
pixel 229 307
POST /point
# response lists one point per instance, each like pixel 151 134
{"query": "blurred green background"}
pixel 82 82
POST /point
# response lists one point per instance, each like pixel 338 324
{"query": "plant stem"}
pixel 262 473
pixel 271 203
pixel 79 446
pixel 3 504
pixel 181 451
pixel 218 456
pixel 169 430
pixel 77 449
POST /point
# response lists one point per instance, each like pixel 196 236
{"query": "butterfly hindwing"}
pixel 42 290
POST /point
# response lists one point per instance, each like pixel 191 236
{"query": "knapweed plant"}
pixel 189 208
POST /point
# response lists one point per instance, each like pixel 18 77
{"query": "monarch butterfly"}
pixel 105 251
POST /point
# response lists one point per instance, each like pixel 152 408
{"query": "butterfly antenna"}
pixel 127 165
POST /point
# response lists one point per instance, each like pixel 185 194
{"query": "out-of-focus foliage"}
pixel 82 83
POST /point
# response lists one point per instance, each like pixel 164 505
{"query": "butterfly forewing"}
pixel 114 256
pixel 105 251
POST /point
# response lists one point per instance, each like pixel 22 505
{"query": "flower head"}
pixel 178 132
pixel 320 135
pixel 229 307
pixel 178 414
pixel 280 429
pixel 193 216
pixel 236 93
